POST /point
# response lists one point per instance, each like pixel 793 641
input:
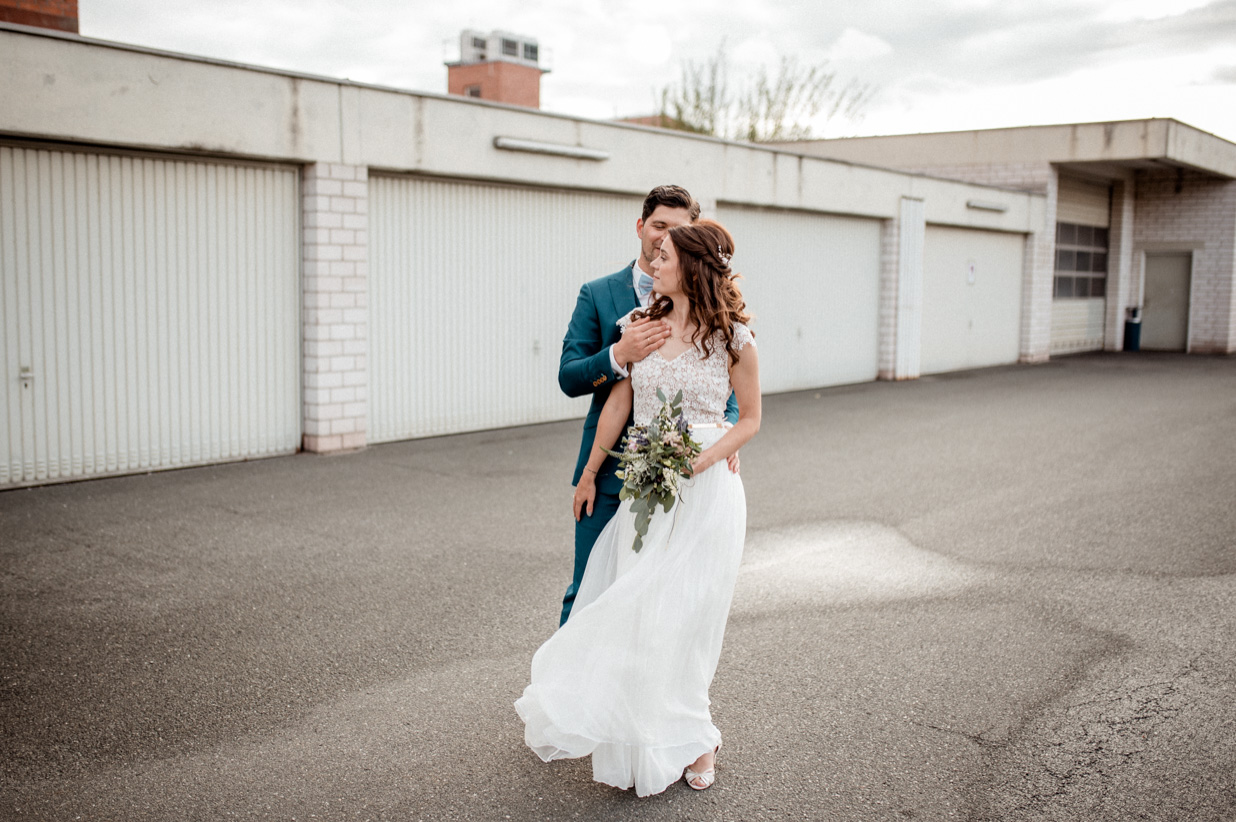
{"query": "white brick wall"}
pixel 1120 280
pixel 1194 212
pixel 1038 281
pixel 336 312
pixel 890 236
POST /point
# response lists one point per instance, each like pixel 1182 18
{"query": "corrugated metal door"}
pixel 972 282
pixel 1083 201
pixel 812 281
pixel 150 311
pixel 471 289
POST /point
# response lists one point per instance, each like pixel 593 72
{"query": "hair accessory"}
pixel 722 256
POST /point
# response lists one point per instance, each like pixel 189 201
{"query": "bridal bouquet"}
pixel 656 458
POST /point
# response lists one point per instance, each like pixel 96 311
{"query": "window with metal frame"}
pixel 1081 261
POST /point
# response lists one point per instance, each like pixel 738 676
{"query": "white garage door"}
pixel 150 311
pixel 812 281
pixel 471 289
pixel 972 283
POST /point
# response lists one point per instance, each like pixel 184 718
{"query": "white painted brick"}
pixel 322 316
pixel 334 253
pixel 323 219
pixel 323 252
pixel 323 188
pixel 324 349
pixel 344 425
pixel 343 395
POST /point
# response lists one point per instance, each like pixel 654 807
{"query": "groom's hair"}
pixel 673 197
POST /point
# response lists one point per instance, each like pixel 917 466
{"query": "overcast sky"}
pixel 936 65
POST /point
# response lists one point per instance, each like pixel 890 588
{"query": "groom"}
pixel 595 352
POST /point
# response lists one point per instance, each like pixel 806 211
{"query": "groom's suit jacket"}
pixel 585 367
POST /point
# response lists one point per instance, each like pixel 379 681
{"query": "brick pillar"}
pixel 1120 285
pixel 901 292
pixel 886 333
pixel 335 247
pixel 1038 282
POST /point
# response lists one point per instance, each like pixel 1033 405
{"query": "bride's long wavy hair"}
pixel 715 303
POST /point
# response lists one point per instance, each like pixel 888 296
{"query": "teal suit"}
pixel 585 369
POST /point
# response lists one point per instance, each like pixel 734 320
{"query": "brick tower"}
pixel 498 66
pixel 49 14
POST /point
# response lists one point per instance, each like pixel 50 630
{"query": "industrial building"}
pixel 203 261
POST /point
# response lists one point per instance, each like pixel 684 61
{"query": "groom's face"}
pixel 653 230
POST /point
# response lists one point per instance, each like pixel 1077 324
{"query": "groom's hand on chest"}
pixel 639 339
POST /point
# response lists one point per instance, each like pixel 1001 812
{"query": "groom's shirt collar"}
pixel 635 272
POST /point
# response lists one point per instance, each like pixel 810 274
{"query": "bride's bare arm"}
pixel 613 419
pixel 745 377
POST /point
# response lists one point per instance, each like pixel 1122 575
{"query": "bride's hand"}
pixel 702 463
pixel 585 494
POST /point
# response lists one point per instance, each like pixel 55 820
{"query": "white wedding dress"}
pixel 626 678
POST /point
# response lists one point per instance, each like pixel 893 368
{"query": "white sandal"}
pixel 706 777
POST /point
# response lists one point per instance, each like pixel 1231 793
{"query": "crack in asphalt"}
pixel 1097 742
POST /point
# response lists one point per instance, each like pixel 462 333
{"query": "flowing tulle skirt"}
pixel 626 678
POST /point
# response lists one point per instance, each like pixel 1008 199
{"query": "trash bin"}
pixel 1133 328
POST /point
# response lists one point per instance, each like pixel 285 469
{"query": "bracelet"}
pixel 586 468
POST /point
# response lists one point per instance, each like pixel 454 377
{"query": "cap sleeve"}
pixel 743 336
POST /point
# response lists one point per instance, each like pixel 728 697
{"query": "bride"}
pixel 626 678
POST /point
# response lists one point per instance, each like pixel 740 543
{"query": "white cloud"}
pixel 855 45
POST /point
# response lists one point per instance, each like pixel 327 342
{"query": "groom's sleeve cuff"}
pixel 620 373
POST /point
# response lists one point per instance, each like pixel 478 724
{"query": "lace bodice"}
pixel 705 382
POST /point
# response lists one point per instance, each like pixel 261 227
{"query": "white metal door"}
pixel 972 284
pixel 1165 309
pixel 812 282
pixel 471 289
pixel 150 311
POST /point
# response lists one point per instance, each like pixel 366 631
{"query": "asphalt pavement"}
pixel 1004 594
